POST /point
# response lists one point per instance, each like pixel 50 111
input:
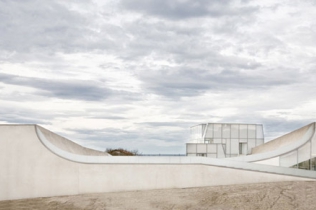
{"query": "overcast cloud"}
pixel 138 73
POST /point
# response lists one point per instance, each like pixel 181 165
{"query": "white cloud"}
pixel 136 74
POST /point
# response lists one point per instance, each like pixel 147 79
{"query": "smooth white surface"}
pixel 31 166
pixel 286 144
pixel 272 161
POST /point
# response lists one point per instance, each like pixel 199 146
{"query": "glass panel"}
pixel 217 130
pixel 304 165
pixel 226 131
pixel 201 154
pixel 227 147
pixel 243 131
pixel 243 140
pixel 196 134
pixel 234 147
pixel 304 152
pixel 243 148
pixel 251 144
pixel 209 131
pixel 201 148
pixel 191 148
pixel 313 164
pixel 203 128
pixel 224 148
pixel 217 141
pixel 220 151
pixel 314 146
pixel 259 142
pixel 191 155
pixel 289 159
pixel 259 132
pixel 209 140
pixel 211 148
pixel 235 131
pixel 223 141
pixel 211 155
pixel 251 131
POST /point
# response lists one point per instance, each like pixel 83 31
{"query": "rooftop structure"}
pixel 222 140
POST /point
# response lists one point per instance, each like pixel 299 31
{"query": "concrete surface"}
pixel 30 168
pixel 270 152
pixel 69 146
pixel 282 141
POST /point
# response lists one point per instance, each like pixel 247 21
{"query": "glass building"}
pixel 222 140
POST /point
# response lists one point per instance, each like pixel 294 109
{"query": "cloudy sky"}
pixel 138 73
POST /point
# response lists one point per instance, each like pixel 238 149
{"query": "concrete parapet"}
pixel 35 162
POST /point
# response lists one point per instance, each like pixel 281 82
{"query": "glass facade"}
pixel 231 140
pixel 196 133
pixel 309 164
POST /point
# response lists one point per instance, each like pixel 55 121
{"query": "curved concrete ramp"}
pixel 35 162
pixel 67 145
pixel 285 140
pixel 271 152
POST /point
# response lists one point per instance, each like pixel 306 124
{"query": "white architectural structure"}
pixel 296 150
pixel 35 162
pixel 222 140
pixel 245 143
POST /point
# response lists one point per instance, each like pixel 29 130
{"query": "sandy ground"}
pixel 280 195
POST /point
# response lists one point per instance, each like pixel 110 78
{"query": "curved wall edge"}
pixel 172 160
pixel 268 155
pixel 35 168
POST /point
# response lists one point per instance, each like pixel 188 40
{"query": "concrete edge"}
pixel 172 161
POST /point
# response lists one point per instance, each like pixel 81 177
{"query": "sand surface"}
pixel 280 195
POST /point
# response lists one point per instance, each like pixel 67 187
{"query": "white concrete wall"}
pixel 29 169
pixel 283 141
pixel 285 144
pixel 69 146
pixel 272 161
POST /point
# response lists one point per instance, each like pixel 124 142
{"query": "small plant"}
pixel 121 152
